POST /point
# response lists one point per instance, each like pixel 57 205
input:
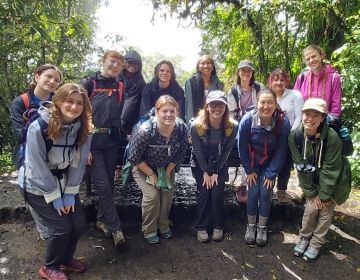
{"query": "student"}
pixel 164 83
pixel 199 85
pixel 241 98
pixel 324 175
pixel 47 78
pixel 134 83
pixel 50 180
pixel 213 135
pixel 291 103
pixel 106 93
pixel 156 149
pixel 320 80
pixel 262 144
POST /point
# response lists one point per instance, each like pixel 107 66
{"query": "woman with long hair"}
pixel 50 178
pixel 291 102
pixel 198 86
pixel 320 79
pixel 156 148
pixel 262 144
pixel 213 135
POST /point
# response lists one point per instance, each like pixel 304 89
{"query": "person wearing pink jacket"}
pixel 320 80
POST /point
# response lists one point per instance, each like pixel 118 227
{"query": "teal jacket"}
pixel 332 178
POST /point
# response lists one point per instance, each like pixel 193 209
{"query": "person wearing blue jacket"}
pixel 50 178
pixel 262 143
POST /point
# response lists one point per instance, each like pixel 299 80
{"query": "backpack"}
pixel 29 116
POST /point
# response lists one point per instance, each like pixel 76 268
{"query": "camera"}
pixel 212 166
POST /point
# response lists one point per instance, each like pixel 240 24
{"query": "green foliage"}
pixel 6 161
pixel 36 32
pixel 354 159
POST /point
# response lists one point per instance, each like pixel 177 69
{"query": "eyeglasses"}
pixel 217 104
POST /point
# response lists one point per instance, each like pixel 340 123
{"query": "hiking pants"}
pixel 316 223
pixel 284 173
pixel 102 172
pixel 155 205
pixel 64 231
pixel 210 202
pixel 259 197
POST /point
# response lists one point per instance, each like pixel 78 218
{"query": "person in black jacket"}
pixel 134 84
pixel 47 78
pixel 106 94
pixel 163 83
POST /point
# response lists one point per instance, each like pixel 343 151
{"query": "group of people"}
pixel 79 124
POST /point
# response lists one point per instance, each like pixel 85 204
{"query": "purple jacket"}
pixel 329 90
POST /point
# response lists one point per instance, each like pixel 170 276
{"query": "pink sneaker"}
pixel 241 194
pixel 51 274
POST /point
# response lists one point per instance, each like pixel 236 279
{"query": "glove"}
pixel 308 168
pixel 58 203
pixel 68 199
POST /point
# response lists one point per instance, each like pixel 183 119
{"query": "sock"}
pixel 263 220
pixel 251 220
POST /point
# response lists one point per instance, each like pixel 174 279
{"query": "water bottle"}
pixel 344 133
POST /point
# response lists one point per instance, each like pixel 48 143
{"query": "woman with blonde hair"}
pixel 213 135
pixel 52 172
pixel 156 148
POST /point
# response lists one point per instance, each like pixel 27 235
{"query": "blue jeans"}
pixel 259 197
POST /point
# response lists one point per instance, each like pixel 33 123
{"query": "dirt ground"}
pixel 183 257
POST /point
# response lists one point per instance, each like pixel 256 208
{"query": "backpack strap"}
pixel 110 91
pixel 25 99
pixel 257 87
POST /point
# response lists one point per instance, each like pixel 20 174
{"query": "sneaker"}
pixel 261 236
pixel 241 194
pixel 101 226
pixel 250 234
pixel 300 248
pixel 218 235
pixel 311 254
pixel 119 238
pixel 283 197
pixel 167 234
pixel 51 274
pixel 153 239
pixel 74 266
pixel 202 236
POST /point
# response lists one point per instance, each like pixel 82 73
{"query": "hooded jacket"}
pixel 194 94
pixel 152 92
pixel 133 88
pixel 328 89
pixel 331 180
pixel 36 176
pixel 263 147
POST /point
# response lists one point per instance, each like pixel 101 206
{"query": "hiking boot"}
pixel 101 226
pixel 74 266
pixel 283 197
pixel 119 238
pixel 301 246
pixel 202 236
pixel 218 235
pixel 250 234
pixel 51 274
pixel 241 194
pixel 167 234
pixel 311 254
pixel 261 235
pixel 153 239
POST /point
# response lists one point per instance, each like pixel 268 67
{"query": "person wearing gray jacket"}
pixel 53 169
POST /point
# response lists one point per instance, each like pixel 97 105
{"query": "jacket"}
pixel 330 181
pixel 36 175
pixel 201 150
pixel 291 103
pixel 329 90
pixel 152 92
pixel 107 108
pixel 263 147
pixel 133 88
pixel 194 94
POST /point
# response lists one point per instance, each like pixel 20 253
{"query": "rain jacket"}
pixel 332 178
pixel 36 175
pixel 133 88
pixel 329 90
